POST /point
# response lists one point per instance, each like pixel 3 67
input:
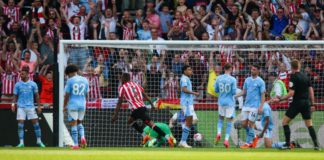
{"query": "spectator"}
pixel 165 17
pixel 171 86
pixel 145 33
pixel 46 79
pixel 108 20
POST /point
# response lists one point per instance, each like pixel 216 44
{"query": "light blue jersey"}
pixel 185 98
pixel 25 92
pixel 254 89
pixel 267 112
pixel 225 85
pixel 78 87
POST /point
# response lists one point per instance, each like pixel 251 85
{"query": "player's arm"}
pixel 14 101
pixel 39 108
pixel 184 89
pixel 265 127
pixel 119 104
pixel 148 99
pixel 290 94
pixel 242 93
pixel 312 98
pixel 66 100
pixel 262 102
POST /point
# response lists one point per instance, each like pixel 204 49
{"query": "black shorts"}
pixel 300 106
pixel 141 113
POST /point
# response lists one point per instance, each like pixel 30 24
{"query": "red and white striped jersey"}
pixel 13 14
pixel 94 87
pixel 38 12
pixel 226 54
pixel 137 77
pixel 128 34
pixel 8 82
pixel 132 92
pixel 171 89
pixel 77 32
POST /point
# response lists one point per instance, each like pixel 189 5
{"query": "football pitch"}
pixel 157 154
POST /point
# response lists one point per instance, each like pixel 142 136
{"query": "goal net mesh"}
pixel 158 68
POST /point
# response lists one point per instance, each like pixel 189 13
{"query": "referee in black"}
pixel 303 102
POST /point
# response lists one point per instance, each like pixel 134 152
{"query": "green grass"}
pixel 156 154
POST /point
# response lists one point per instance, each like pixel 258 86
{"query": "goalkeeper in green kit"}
pixel 151 137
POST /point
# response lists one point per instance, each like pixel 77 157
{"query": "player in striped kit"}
pixel 76 90
pixel 134 94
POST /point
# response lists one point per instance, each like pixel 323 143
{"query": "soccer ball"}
pixel 198 137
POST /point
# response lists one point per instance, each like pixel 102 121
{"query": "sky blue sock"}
pixel 228 130
pixel 278 144
pixel 251 134
pixel 21 132
pixel 37 132
pixel 81 130
pixel 219 126
pixel 74 134
pixel 247 129
pixel 185 134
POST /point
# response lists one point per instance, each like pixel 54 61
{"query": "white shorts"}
pixel 188 110
pixel 227 112
pixel 74 115
pixel 30 113
pixel 250 115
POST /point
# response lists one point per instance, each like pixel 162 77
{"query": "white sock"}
pixel 21 141
pixel 39 140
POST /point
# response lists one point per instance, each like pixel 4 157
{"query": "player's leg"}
pixel 253 140
pixel 21 116
pixel 221 114
pixel 229 114
pixel 268 139
pixel 290 114
pixel 245 120
pixel 81 114
pixel 132 121
pixel 32 115
pixel 306 114
pixel 194 122
pixel 72 118
pixel 188 112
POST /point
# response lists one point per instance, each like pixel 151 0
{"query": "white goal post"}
pixel 204 49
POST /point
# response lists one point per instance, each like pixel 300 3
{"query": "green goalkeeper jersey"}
pixel 164 127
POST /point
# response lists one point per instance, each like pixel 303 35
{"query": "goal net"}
pixel 157 67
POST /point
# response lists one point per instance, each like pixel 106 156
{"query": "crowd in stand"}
pixel 30 31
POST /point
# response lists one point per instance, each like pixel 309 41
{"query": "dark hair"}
pixel 184 68
pixel 256 66
pixel 227 66
pixel 71 68
pixel 274 74
pixel 125 77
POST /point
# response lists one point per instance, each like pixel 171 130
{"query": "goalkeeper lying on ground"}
pixel 152 139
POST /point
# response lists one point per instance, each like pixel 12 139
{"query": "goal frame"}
pixel 62 59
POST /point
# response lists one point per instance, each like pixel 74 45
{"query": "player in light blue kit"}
pixel 225 85
pixel 186 103
pixel 76 90
pixel 254 89
pixel 266 127
pixel 24 92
